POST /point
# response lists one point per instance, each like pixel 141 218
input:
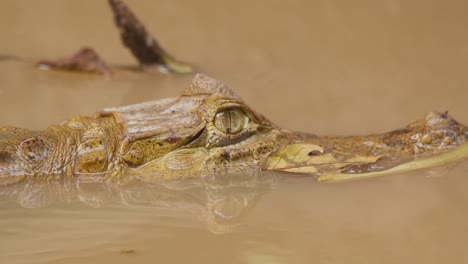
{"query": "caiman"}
pixel 209 130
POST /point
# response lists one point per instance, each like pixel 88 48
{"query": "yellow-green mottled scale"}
pixel 208 130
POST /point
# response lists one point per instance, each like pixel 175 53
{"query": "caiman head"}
pixel 207 130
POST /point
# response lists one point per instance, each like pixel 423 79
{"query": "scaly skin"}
pixel 208 130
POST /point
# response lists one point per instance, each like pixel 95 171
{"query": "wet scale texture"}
pixel 196 134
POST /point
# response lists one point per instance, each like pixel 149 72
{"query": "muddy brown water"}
pixel 327 67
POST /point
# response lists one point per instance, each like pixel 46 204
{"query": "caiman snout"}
pixel 436 134
pixel 441 131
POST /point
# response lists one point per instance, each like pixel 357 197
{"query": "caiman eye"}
pixel 231 120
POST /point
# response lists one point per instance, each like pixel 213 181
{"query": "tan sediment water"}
pixel 327 67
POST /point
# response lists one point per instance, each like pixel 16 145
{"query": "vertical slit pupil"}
pixel 231 121
pixel 229 117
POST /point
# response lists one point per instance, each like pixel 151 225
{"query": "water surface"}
pixel 327 67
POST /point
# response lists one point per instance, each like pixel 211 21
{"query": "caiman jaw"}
pixel 429 142
pixel 143 151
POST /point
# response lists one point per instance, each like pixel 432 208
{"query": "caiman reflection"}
pixel 219 203
pixel 208 130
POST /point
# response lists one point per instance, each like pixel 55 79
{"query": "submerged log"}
pixel 85 60
pixel 142 44
pixel 134 36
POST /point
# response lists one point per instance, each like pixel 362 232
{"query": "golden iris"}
pixel 231 121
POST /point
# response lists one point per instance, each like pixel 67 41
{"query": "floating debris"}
pixel 127 251
pixel 85 60
pixel 4 57
pixel 142 45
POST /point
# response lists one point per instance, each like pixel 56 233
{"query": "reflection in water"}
pixel 219 201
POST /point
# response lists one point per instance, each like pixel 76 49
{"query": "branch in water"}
pixel 85 60
pixel 142 45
